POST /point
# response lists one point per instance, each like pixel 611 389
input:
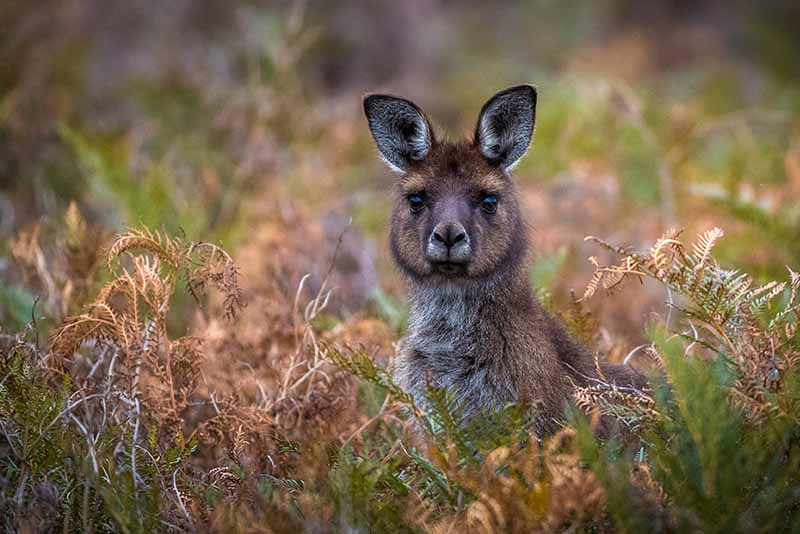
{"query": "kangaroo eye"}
pixel 489 203
pixel 416 202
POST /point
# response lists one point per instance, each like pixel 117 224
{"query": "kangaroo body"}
pixel 459 238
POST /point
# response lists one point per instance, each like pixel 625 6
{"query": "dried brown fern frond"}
pixel 122 311
pixel 206 264
pixel 99 322
pixel 721 315
pixel 632 406
pixel 166 249
pixel 613 277
pixel 199 263
pixel 783 319
pixel 594 283
pixel 795 284
pixel 703 246
pixel 619 251
pixel 135 382
pixel 666 249
pixel 129 318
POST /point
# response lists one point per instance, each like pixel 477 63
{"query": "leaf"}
pixel 591 287
pixel 702 248
pixel 666 248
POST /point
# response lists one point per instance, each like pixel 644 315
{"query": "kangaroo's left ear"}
pixel 505 126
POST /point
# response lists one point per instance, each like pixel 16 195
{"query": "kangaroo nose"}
pixel 449 234
pixel 449 243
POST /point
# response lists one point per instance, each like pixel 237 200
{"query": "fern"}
pixel 107 416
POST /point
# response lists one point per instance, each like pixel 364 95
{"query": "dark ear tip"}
pixel 526 88
pixel 372 97
pixel 373 101
pixel 525 91
pixel 369 100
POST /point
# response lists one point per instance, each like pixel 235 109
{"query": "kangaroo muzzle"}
pixel 449 243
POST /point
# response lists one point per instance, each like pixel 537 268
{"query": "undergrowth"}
pixel 109 427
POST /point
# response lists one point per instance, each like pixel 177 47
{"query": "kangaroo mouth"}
pixel 449 268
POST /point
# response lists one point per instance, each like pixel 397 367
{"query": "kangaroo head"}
pixel 456 214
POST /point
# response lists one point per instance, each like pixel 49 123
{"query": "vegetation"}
pixel 197 315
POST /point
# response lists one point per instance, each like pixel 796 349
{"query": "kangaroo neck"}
pixel 466 306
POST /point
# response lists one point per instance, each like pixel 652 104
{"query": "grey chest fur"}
pixel 451 343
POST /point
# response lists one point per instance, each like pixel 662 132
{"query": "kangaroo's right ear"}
pixel 401 130
pixel 505 126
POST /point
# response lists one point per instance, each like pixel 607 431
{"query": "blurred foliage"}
pixel 17 305
pixel 180 144
pixel 212 123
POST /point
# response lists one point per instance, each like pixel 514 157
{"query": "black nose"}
pixel 449 243
pixel 449 234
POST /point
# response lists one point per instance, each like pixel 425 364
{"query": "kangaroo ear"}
pixel 505 126
pixel 401 130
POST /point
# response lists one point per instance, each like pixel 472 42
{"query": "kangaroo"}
pixel 460 240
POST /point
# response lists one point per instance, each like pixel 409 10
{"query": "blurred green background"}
pixel 210 119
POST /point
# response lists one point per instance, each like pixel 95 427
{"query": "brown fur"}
pixel 479 329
